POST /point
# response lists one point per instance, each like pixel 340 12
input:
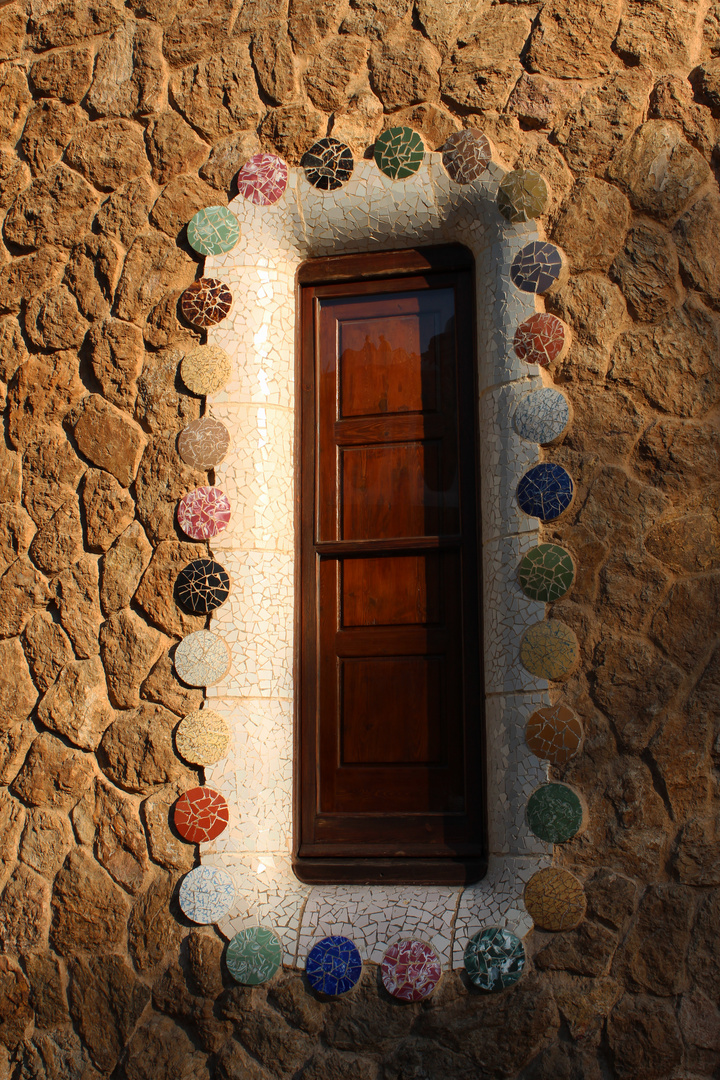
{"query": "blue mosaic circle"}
pixel 213 231
pixel 536 267
pixel 545 491
pixel 206 894
pixel 542 416
pixel 494 958
pixel 333 966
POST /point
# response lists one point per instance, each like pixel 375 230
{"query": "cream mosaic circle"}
pixel 202 737
pixel 205 370
pixel 555 899
pixel 202 659
pixel 549 649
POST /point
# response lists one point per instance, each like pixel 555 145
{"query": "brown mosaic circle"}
pixel 205 370
pixel 466 155
pixel 206 302
pixel 204 443
pixel 554 734
pixel 555 899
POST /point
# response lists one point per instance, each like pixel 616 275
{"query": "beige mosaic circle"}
pixel 555 899
pixel 202 737
pixel 204 443
pixel 205 370
pixel 202 659
pixel 554 734
pixel 549 649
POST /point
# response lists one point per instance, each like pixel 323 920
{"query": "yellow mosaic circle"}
pixel 205 370
pixel 549 649
pixel 555 899
pixel 202 737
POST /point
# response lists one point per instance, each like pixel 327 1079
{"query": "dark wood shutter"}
pixel 391 773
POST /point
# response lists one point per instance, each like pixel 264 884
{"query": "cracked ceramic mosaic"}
pixel 555 813
pixel 541 339
pixel 206 893
pixel 522 195
pixel 555 899
pixel 542 416
pixel 206 302
pixel 466 155
pixel 545 491
pixel 328 164
pixel 213 230
pixel 202 586
pixel 202 737
pixel 263 179
pixel 204 371
pixel 203 512
pixel 537 267
pixel 399 152
pixel 202 659
pixel 554 734
pixel 333 965
pixel 494 958
pixel 204 443
pixel 253 956
pixel 200 815
pixel 410 969
pixel 549 649
pixel 546 572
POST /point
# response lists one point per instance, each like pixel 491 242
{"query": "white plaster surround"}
pixel 371 212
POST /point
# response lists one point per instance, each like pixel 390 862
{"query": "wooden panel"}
pixel 390 591
pixel 388 365
pixel 391 491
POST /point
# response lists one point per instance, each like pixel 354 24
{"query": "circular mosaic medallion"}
pixel 203 512
pixel 206 894
pixel 542 416
pixel 537 267
pixel 466 155
pixel 213 230
pixel 254 955
pixel 555 813
pixel 410 969
pixel 263 179
pixel 554 734
pixel 206 302
pixel 204 371
pixel 555 899
pixel 494 958
pixel 541 339
pixel 399 152
pixel 202 659
pixel 328 164
pixel 200 815
pixel 549 649
pixel 522 195
pixel 545 491
pixel 333 966
pixel 546 573
pixel 204 443
pixel 202 586
pixel 202 737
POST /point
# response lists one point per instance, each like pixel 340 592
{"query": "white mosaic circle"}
pixel 202 659
pixel 206 894
pixel 542 416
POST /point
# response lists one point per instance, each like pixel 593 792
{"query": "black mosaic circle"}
pixel 202 586
pixel 328 164
pixel 537 267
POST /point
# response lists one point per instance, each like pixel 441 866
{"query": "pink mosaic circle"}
pixel 204 512
pixel 262 179
pixel 410 970
pixel 541 339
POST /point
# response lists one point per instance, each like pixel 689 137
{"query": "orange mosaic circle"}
pixel 554 734
pixel 555 899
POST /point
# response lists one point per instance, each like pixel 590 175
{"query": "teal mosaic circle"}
pixel 546 573
pixel 554 813
pixel 254 955
pixel 213 230
pixel 494 958
pixel 399 152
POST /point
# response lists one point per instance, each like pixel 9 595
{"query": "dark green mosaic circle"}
pixel 399 152
pixel 494 958
pixel 554 813
pixel 254 955
pixel 546 573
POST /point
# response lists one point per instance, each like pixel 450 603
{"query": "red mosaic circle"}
pixel 200 815
pixel 410 970
pixel 262 179
pixel 204 512
pixel 206 302
pixel 541 338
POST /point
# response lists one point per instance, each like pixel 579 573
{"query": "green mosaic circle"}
pixel 254 955
pixel 494 958
pixel 546 573
pixel 213 230
pixel 399 152
pixel 549 649
pixel 522 195
pixel 554 813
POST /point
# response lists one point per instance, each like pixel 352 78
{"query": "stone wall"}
pixel 118 123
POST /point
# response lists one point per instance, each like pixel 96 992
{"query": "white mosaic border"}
pixel 371 212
